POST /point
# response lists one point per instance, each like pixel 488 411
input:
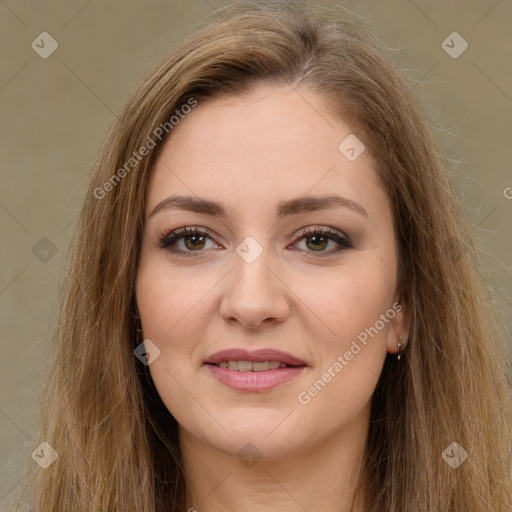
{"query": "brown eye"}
pixel 318 238
pixel 194 240
pixel 317 242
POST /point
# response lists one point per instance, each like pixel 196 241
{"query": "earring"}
pixel 401 346
pixel 137 326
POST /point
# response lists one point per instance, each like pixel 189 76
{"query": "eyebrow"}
pixel 284 208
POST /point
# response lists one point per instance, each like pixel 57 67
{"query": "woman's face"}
pixel 261 276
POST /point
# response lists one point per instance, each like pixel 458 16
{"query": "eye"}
pixel 194 240
pixel 317 238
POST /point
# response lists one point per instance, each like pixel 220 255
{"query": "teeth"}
pixel 260 366
pixel 249 366
pixel 244 366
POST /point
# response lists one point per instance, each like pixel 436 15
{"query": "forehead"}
pixel 275 143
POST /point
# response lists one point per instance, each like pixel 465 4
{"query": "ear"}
pixel 399 325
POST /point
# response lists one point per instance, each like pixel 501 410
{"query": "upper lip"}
pixel 259 355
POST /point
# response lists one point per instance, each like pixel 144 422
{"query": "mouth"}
pixel 262 359
pixel 253 366
pixel 260 370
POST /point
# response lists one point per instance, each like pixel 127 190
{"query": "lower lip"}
pixel 255 381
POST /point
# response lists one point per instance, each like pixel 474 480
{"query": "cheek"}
pixel 169 304
pixel 350 349
pixel 165 298
pixel 350 342
pixel 350 300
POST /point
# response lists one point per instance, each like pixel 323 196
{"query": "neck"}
pixel 322 478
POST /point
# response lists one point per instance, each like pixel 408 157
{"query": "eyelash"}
pixel 168 239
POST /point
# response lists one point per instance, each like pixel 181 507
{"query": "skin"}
pixel 250 153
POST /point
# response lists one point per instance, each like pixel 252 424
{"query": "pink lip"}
pixel 260 355
pixel 254 381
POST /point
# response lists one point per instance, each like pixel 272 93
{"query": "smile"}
pixel 252 366
pixel 252 376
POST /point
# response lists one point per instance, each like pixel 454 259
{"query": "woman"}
pixel 273 302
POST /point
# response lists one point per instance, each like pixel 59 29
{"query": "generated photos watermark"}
pixel 305 397
pixel 137 156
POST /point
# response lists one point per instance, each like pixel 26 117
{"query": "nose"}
pixel 255 294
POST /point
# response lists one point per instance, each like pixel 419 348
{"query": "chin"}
pixel 249 447
pixel 267 435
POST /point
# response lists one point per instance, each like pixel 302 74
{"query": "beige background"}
pixel 55 113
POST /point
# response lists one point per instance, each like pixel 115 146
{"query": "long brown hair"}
pixel 117 443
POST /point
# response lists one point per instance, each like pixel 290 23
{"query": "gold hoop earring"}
pixel 401 346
